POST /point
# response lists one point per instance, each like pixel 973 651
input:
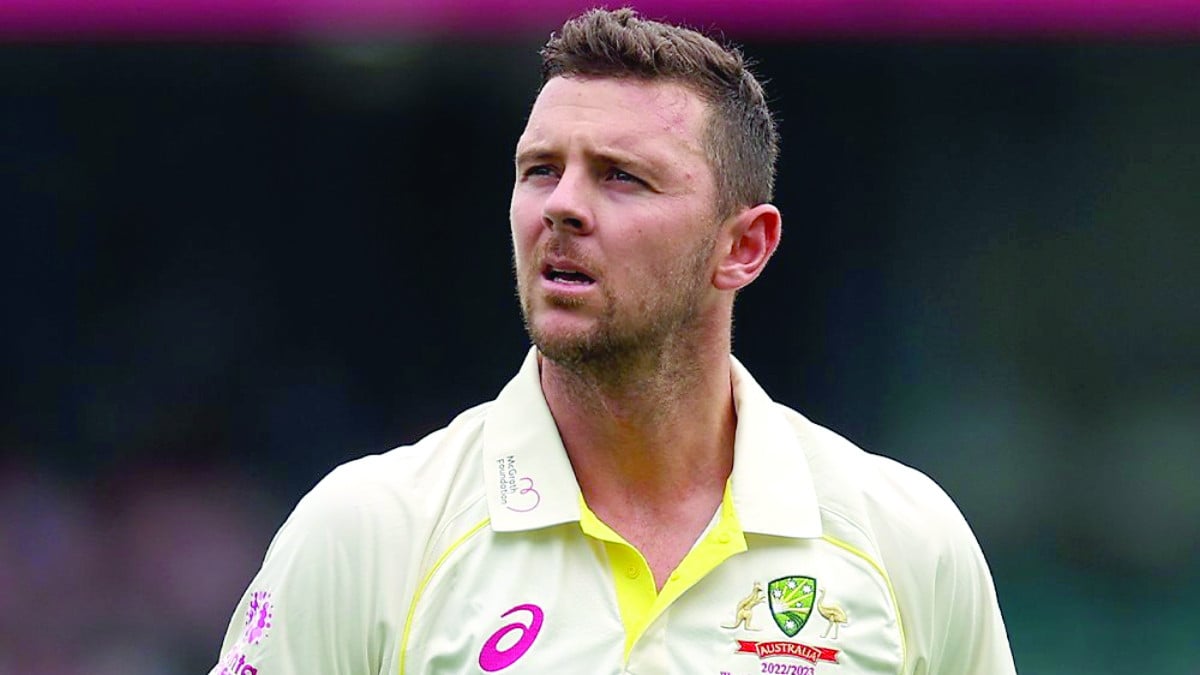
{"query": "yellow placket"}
pixel 640 604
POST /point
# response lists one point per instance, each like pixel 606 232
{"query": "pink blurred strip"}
pixel 76 19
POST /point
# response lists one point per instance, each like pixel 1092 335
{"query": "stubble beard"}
pixel 650 336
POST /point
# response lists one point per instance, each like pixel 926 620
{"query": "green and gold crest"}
pixel 791 602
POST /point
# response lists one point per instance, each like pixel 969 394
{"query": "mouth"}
pixel 567 275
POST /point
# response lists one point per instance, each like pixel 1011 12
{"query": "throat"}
pixel 663 541
pixel 634 389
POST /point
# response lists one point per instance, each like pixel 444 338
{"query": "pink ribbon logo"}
pixel 526 489
pixel 492 658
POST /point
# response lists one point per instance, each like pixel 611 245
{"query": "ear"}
pixel 749 238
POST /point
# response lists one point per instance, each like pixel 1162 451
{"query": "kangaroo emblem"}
pixel 745 608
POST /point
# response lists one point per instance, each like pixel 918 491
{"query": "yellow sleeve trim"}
pixel 412 608
pixel 891 591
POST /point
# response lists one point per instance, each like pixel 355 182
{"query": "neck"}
pixel 650 434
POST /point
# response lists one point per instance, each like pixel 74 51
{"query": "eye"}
pixel 538 170
pixel 624 176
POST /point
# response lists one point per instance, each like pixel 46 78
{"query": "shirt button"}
pixel 723 538
pixel 674 576
pixel 632 572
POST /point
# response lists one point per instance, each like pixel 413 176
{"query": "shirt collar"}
pixel 529 482
pixel 527 477
pixel 773 490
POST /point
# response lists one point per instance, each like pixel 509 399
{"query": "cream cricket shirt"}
pixel 472 552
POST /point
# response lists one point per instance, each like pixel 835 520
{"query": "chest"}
pixel 546 602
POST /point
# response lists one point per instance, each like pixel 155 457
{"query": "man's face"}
pixel 613 218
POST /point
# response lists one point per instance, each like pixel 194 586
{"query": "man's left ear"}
pixel 748 239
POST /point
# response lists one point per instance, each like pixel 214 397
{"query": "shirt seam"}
pixel 412 607
pixel 879 568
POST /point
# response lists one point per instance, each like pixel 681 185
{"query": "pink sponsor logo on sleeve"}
pixel 258 617
pixel 258 621
pixel 235 664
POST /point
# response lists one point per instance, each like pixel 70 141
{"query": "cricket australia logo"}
pixel 791 602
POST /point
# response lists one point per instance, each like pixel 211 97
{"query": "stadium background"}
pixel 233 260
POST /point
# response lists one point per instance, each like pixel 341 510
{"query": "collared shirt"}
pixel 473 551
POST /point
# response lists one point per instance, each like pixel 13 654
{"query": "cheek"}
pixel 524 242
pixel 525 225
pixel 635 275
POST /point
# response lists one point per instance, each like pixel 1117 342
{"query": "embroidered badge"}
pixel 745 608
pixel 836 616
pixel 791 602
pixel 765 650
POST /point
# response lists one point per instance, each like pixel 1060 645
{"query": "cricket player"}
pixel 632 501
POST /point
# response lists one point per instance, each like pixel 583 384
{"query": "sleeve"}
pixel 969 634
pixel 948 602
pixel 310 607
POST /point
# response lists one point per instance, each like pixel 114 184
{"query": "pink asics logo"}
pixel 492 658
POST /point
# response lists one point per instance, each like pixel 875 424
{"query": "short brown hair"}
pixel 740 136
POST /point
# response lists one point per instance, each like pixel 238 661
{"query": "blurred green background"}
pixel 229 267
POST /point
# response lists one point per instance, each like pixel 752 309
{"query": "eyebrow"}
pixel 534 154
pixel 540 153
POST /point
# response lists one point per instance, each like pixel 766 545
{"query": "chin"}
pixel 560 338
pixel 554 337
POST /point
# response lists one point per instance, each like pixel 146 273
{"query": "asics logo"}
pixel 493 658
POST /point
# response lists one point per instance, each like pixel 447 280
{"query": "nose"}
pixel 567 207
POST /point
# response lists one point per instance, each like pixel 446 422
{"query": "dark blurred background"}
pixel 229 266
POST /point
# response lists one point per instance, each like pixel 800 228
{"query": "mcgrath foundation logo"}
pixel 516 491
pixel 258 618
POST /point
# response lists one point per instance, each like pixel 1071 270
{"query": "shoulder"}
pixel 402 488
pixel 908 514
pixel 366 525
pixel 923 544
pixel 333 587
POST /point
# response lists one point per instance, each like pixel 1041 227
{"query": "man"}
pixel 632 501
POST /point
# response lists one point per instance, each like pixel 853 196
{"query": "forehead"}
pixel 626 112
